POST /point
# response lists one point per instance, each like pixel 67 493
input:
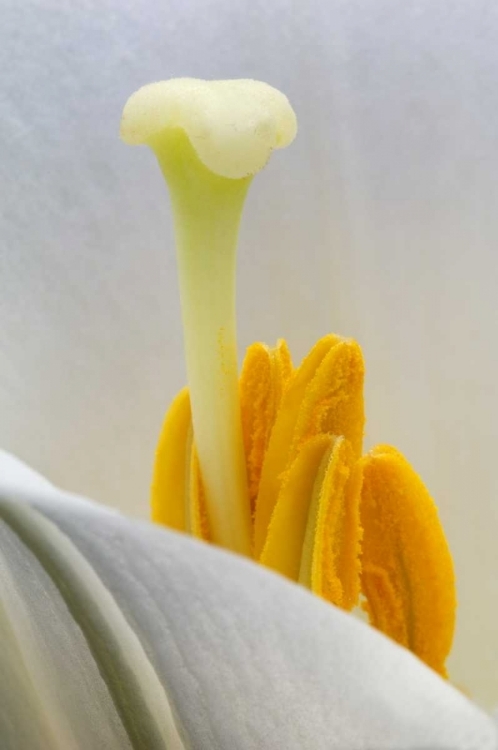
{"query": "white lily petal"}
pixel 247 659
pixel 51 692
pixel 134 686
pixel 38 564
pixel 14 474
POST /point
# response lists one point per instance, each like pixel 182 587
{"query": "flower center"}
pixel 270 464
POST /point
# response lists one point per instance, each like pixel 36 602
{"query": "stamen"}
pixel 197 502
pixel 286 532
pixel 408 576
pixel 330 564
pixel 265 374
pixel 324 395
pixel 170 482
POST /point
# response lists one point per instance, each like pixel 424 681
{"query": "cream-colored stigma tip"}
pixel 232 125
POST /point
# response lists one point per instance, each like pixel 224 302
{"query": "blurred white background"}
pixel 380 222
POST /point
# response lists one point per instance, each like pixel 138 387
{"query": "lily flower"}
pixel 379 223
pixel 272 466
pixel 122 634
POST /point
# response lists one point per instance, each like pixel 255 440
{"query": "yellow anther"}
pixel 198 515
pixel 284 542
pixel 171 479
pixel 314 533
pixel 265 373
pixel 330 564
pixel 408 576
pixel 324 395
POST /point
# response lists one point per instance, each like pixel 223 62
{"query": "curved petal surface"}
pixel 239 656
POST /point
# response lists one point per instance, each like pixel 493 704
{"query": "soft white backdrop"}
pixel 380 222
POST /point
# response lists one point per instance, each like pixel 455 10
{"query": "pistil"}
pixel 210 138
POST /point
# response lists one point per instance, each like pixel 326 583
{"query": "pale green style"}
pixel 210 139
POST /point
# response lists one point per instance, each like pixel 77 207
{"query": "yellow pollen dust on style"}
pixel 339 523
